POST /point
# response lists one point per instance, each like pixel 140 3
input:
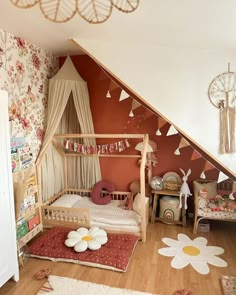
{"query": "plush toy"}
pixel 230 206
pixel 184 190
pixel 135 188
pixel 127 203
pixel 217 203
pixel 203 199
pixel 97 189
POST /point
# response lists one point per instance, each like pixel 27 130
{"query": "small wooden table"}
pixel 156 196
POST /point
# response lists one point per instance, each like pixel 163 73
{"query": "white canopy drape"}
pixel 67 87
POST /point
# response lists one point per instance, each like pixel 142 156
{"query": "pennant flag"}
pixel 203 175
pixel 208 166
pixel 177 152
pixel 123 95
pixel 183 143
pixel 158 132
pixel 135 105
pixel 196 155
pixel 222 177
pixel 113 85
pixel 161 122
pixel 171 131
pixel 127 143
pixel 131 114
pixel 108 94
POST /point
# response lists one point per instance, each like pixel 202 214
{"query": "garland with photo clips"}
pixel 118 146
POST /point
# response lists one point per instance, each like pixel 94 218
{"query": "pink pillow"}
pixel 98 187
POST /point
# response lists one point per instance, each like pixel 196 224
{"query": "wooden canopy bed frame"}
pixel 77 217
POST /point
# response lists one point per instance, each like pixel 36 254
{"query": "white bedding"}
pixel 110 216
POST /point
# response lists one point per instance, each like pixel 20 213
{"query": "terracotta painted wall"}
pixel 24 73
pixel 112 116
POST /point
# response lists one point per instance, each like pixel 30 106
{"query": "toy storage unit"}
pixel 27 205
pixel 169 208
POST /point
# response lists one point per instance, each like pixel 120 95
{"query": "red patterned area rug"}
pixel 64 286
pixel 228 285
pixel 114 255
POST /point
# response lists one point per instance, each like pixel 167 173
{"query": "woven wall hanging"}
pixel 221 92
pixel 93 11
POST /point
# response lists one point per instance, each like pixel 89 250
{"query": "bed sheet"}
pixel 110 214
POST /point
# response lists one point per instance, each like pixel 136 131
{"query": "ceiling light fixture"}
pixel 93 11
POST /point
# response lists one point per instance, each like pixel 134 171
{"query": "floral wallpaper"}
pixel 24 73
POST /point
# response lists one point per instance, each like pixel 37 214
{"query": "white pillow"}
pixel 137 204
pixel 66 201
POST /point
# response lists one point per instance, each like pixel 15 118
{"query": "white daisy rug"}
pixel 66 286
pixel 194 252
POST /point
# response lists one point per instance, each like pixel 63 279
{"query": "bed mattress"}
pixel 110 216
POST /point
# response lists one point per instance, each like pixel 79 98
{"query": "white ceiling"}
pixel 176 23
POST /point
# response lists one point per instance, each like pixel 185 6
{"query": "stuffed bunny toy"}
pixel 184 190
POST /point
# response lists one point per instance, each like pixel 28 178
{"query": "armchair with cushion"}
pixel 215 201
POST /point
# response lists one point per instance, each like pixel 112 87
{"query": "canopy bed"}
pixel 68 162
pixel 72 206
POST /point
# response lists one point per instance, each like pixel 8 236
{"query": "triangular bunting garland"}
pixel 135 105
pixel 113 85
pixel 108 95
pixel 158 132
pixel 123 95
pixel 171 131
pixel 177 152
pixel 222 177
pixel 208 166
pixel 131 114
pixel 203 175
pixel 161 122
pixel 196 155
pixel 183 143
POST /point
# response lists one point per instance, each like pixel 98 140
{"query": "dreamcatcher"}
pixel 221 92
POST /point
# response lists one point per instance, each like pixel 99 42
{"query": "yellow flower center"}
pixel 87 238
pixel 191 250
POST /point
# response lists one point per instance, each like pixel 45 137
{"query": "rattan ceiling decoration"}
pixel 93 11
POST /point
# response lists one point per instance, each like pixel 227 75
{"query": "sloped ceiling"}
pixel 167 52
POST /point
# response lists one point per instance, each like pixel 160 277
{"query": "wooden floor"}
pixel 148 271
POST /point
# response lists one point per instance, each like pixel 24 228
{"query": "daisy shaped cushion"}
pixel 83 239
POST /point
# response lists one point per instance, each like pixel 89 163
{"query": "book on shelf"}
pixel 21 155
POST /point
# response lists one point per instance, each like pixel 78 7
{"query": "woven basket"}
pixel 172 186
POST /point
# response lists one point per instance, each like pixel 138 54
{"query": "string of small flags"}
pixel 118 146
pixel 196 155
pixel 161 122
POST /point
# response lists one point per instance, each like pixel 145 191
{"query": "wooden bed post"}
pixel 64 160
pixel 142 185
pixel 149 167
pixel 39 184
